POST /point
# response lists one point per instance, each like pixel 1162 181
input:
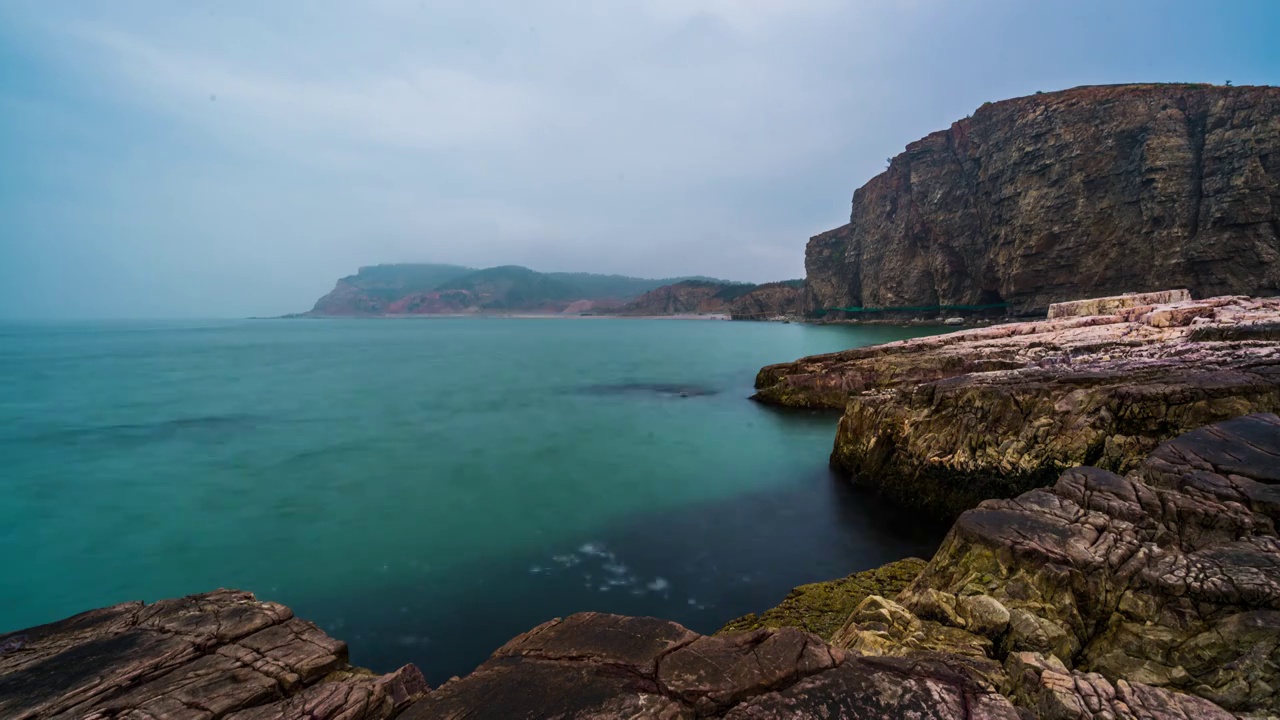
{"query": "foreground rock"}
pixel 1065 195
pixel 1168 577
pixel 947 421
pixel 219 655
pixel 606 666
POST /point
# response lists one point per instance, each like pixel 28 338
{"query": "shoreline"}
pixel 504 316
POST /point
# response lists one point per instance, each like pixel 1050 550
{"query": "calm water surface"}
pixel 423 489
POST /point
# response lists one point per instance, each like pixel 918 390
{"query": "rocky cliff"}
pixel 1062 195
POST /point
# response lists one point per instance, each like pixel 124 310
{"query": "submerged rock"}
pixel 947 421
pixel 647 388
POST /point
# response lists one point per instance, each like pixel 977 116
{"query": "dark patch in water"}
pixel 700 566
pixel 669 389
pixel 199 427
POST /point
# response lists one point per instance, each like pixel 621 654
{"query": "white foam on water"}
pixel 595 549
pixel 616 568
pixel 567 560
pixel 658 584
pixel 535 569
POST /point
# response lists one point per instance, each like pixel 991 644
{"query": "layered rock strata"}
pixel 1062 195
pixel 222 655
pixel 944 422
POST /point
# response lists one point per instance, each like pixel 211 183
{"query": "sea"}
pixel 425 489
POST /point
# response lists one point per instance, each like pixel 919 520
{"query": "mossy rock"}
pixel 821 608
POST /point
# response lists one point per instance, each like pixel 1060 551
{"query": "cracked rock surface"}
pixel 944 422
pixel 1168 578
pixel 222 654
pixel 594 665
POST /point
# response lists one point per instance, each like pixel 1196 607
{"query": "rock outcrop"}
pixel 947 421
pixel 823 607
pixel 691 297
pixel 223 654
pixel 770 301
pixel 742 301
pixel 1168 578
pixel 1062 195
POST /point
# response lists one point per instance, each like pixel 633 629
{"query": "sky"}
pixel 228 158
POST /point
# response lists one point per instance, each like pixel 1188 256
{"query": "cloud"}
pixel 417 107
pixel 279 145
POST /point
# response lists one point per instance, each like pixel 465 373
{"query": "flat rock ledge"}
pixel 944 422
pixel 222 655
pixel 1154 595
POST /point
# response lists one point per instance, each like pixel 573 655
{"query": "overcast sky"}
pixel 219 158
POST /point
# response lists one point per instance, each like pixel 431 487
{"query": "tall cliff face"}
pixel 1058 196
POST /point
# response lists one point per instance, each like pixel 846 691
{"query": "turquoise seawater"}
pixel 423 489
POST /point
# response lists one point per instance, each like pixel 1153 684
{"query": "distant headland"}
pixel 424 289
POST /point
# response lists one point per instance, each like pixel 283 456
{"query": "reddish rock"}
pixel 221 654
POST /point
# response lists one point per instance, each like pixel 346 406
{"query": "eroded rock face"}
pixel 1064 195
pixel 219 655
pixel 1169 577
pixel 947 421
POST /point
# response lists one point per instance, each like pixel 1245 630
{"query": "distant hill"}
pixel 742 301
pixel 431 289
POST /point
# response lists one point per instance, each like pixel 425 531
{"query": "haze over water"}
pixel 423 489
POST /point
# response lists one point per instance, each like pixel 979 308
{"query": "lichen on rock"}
pixel 823 607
